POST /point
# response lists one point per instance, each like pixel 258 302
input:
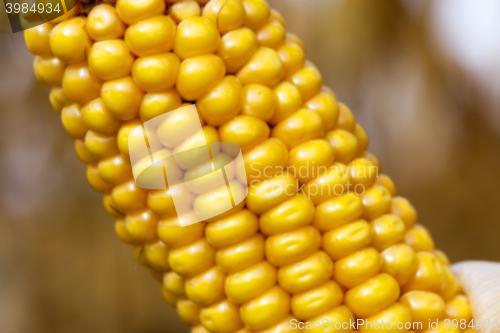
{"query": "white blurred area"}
pixel 421 76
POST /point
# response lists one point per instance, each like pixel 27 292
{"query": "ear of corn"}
pixel 317 250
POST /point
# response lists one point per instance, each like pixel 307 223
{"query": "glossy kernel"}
pixel 264 67
pixel 100 145
pixel 156 104
pixel 122 97
pixel 141 225
pixel 221 317
pixel 258 101
pixel 239 256
pixel 104 23
pixel 265 160
pixel 272 34
pixel 96 181
pixel 79 84
pixel 404 209
pixel 340 314
pixel 288 101
pixel 377 201
pixel 196 36
pixel 300 127
pixel 327 107
pixel 424 306
pixel 97 118
pixel 227 15
pixel 344 144
pixel 419 239
pixel 373 295
pixel 131 11
pixel 245 131
pixel 207 287
pixel 156 254
pixel 192 259
pixel 129 197
pixel 114 169
pixel 269 193
pixel 292 246
pixel 298 211
pixel 338 211
pixel 428 275
pixel 347 239
pixel 317 300
pixel 346 120
pixel 69 40
pixel 266 309
pixel 309 158
pixel 308 80
pixel 400 262
pixel 71 117
pixel 387 231
pixel 151 36
pixel 232 229
pixel 237 47
pixel 37 39
pixel 306 274
pixel 181 10
pixel 198 75
pixel 251 282
pixel 357 267
pixel 394 314
pixel 156 73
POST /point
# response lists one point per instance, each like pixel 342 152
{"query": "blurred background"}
pixel 422 77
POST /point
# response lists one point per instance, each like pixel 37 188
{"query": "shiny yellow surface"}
pixel 288 247
pixel 198 75
pixel 122 97
pixel 337 212
pixel 265 160
pixel 388 230
pixel 37 39
pixel 69 40
pixel 300 127
pixel 249 283
pixel 131 11
pixel 103 23
pixel 266 310
pixel 309 158
pixel 317 300
pixel 196 36
pixel 428 274
pixel 237 47
pixel 206 288
pixel 97 118
pixel 151 36
pixel 295 212
pixel 79 84
pixel 357 267
pixel 264 67
pixel 259 101
pixel 288 100
pixel 232 229
pixel 156 73
pixel 242 255
pixel 184 9
pixel 347 239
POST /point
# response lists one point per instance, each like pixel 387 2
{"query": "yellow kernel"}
pixel 309 158
pixel 58 99
pixel 100 145
pixel 151 36
pixel 443 258
pixel 69 40
pixel 328 183
pixel 207 287
pixel 122 97
pixel 419 239
pixel 327 107
pixel 376 201
pixel 104 23
pixel 237 47
pixel 71 118
pixel 95 180
pixel 387 231
pixel 156 73
pixel 232 229
pixel 288 101
pixel 156 254
pixel 162 204
pixel 174 235
pixel 338 211
pixel 292 246
pixel 245 131
pixel 37 39
pixel 245 285
pixel 272 34
pixel 358 267
pixel 123 134
pixel 79 84
pixel 141 225
pixel 114 169
pixel 156 104
pixel 316 301
pixel 298 211
pixel 169 297
pixel 129 197
pixel 427 276
pixel 265 160
pixel 266 310
pixel 385 181
pixel 306 274
pixel 138 252
pixel 449 285
pixel 363 174
pixel 344 144
pixel 84 154
pixel 300 127
pixel 223 317
pixel 49 70
pixel 400 262
pixel 227 15
pixel 394 314
pixel 209 205
pixel 181 10
pixel 424 306
pixel 241 255
pixel 192 259
pixel 340 314
pixel 458 308
pixel 347 239
pixel 271 192
pixel 264 67
pixel 222 103
pixel 294 39
pixel 346 120
pixel 174 283
pixel 372 296
pixel 292 56
pixel 308 80
pixel 110 59
pixel 196 36
pixel 258 101
pixel 199 75
pixel 404 209
pixel 131 11
pixel 97 118
pixel 362 139
pixel 122 233
pixel 188 311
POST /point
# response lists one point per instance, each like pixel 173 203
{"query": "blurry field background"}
pixel 422 77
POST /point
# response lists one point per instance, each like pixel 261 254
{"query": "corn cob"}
pixel 298 255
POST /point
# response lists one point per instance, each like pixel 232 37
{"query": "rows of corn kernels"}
pixel 300 254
